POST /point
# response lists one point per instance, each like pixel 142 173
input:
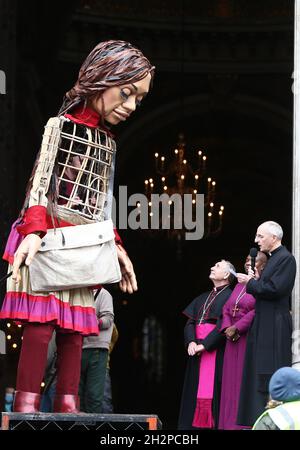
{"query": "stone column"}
pixel 296 190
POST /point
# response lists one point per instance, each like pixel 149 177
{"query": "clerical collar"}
pixel 275 251
pixel 219 288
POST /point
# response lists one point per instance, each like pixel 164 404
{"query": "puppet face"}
pixel 120 101
pixel 219 271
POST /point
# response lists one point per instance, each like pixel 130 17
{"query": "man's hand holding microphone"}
pixel 252 271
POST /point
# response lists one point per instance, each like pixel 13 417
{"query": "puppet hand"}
pixel 25 252
pixel 128 282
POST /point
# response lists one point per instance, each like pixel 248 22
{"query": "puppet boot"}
pixel 26 402
pixel 66 403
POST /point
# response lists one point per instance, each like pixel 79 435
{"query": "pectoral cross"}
pixel 234 310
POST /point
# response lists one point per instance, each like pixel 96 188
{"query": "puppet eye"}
pixel 124 94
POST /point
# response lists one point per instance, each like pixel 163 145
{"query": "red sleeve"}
pixel 118 238
pixel 34 220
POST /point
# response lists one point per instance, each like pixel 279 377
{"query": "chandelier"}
pixel 181 176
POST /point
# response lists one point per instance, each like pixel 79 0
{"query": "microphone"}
pixel 253 255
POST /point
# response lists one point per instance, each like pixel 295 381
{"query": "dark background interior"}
pixel 224 78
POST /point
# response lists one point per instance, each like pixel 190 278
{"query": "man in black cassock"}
pixel 269 344
pixel 205 311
